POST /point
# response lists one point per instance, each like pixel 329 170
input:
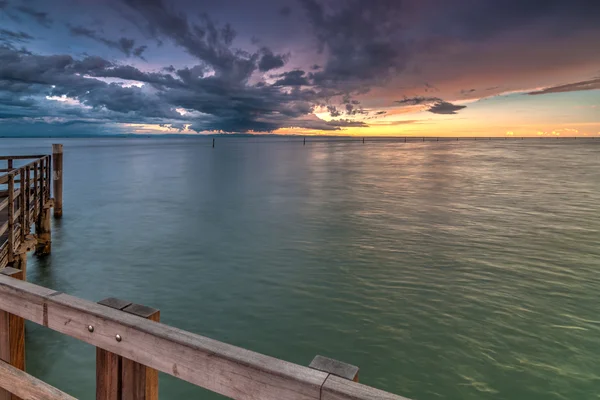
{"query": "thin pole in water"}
pixel 213 143
pixel 304 143
pixel 404 139
pixel 363 140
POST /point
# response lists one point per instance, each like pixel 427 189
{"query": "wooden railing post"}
pixel 27 195
pixel 10 164
pixel 12 336
pixel 43 225
pixel 57 176
pixel 11 214
pixel 119 377
pixel 335 367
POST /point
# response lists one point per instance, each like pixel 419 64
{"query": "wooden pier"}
pixel 131 344
pixel 25 203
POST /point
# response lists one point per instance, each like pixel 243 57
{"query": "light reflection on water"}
pixel 445 270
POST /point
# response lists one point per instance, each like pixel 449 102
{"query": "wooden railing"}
pixel 131 345
pixel 24 195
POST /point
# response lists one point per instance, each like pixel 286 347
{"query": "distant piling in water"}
pixel 363 140
pixel 213 143
pixel 304 142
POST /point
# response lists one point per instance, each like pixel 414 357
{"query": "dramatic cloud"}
pixel 360 41
pixel 124 45
pixel 266 65
pixel 7 36
pixel 443 107
pixel 269 61
pixel 41 17
pixel 292 78
pixel 434 104
pixel 593 84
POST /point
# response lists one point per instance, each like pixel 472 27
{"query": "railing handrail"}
pixel 222 368
pixel 16 170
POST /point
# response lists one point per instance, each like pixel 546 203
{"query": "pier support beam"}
pixel 43 232
pixel 119 377
pixel 12 336
pixel 57 178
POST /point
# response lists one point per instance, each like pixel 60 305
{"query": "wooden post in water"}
pixel 404 139
pixel 335 367
pixel 304 142
pixel 12 336
pixel 57 179
pixel 119 377
pixel 363 140
pixel 213 143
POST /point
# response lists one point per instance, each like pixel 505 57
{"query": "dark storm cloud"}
pixel 592 84
pixel 444 107
pixel 124 45
pixel 435 104
pixel 40 17
pixel 479 20
pixel 359 45
pixel 362 45
pixel 292 78
pixel 269 61
pixel 202 39
pixel 7 36
pixel 414 101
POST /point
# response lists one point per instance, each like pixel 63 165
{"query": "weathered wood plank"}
pixel 11 211
pixel 23 299
pixel 12 336
pixel 28 387
pixel 231 371
pixel 335 367
pixel 336 388
pixel 109 365
pixel 20 157
pixel 138 381
pixel 108 371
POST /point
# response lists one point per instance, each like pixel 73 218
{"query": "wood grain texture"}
pixel 108 373
pixel 27 387
pixel 57 178
pixel 336 388
pixel 231 371
pixel 23 299
pixel 335 367
pixel 138 381
pixel 12 335
pixel 222 368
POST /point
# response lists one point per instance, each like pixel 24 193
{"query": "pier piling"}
pixel 57 182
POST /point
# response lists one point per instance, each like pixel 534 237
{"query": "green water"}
pixel 445 270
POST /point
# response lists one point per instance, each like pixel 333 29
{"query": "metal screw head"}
pixel 118 337
pixel 90 328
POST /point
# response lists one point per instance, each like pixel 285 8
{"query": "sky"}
pixel 322 67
